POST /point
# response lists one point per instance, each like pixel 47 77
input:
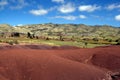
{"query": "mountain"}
pixel 6 28
pixel 66 29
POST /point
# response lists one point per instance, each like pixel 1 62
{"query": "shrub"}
pixel 109 40
pixel 10 42
pixel 95 39
pixel 16 42
pixel 1 41
pixel 118 41
pixel 86 39
pixel 47 38
pixel 85 44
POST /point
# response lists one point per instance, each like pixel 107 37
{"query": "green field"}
pixel 80 43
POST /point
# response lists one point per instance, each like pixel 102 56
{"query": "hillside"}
pixel 66 29
pixel 40 62
pixel 6 28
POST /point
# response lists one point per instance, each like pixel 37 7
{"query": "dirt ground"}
pixel 42 62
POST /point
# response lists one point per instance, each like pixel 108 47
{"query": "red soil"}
pixel 35 62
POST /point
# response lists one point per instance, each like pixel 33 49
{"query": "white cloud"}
pixel 113 6
pixel 67 8
pixel 53 8
pixel 39 12
pixel 16 7
pixel 82 16
pixel 19 25
pixel 20 4
pixel 58 1
pixel 69 17
pixel 117 17
pixel 3 3
pixel 88 8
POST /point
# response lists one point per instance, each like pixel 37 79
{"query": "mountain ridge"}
pixel 73 29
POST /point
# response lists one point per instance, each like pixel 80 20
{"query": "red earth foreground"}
pixel 35 62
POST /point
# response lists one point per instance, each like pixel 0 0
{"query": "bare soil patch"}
pixel 43 62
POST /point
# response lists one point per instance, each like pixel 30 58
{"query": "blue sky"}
pixel 90 12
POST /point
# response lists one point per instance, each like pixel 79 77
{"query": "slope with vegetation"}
pixel 77 33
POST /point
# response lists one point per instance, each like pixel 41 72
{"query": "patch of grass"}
pixel 79 43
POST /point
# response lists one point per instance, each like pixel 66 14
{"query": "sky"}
pixel 89 12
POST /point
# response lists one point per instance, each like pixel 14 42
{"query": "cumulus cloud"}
pixel 38 12
pixel 67 8
pixel 69 17
pixel 82 16
pixel 88 8
pixel 58 1
pixel 117 17
pixel 19 5
pixel 113 6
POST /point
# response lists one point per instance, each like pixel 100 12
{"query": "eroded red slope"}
pixel 64 64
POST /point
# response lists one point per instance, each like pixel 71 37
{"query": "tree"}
pixel 61 36
pixel 118 41
pixel 86 43
pixel 29 35
pixel 15 34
